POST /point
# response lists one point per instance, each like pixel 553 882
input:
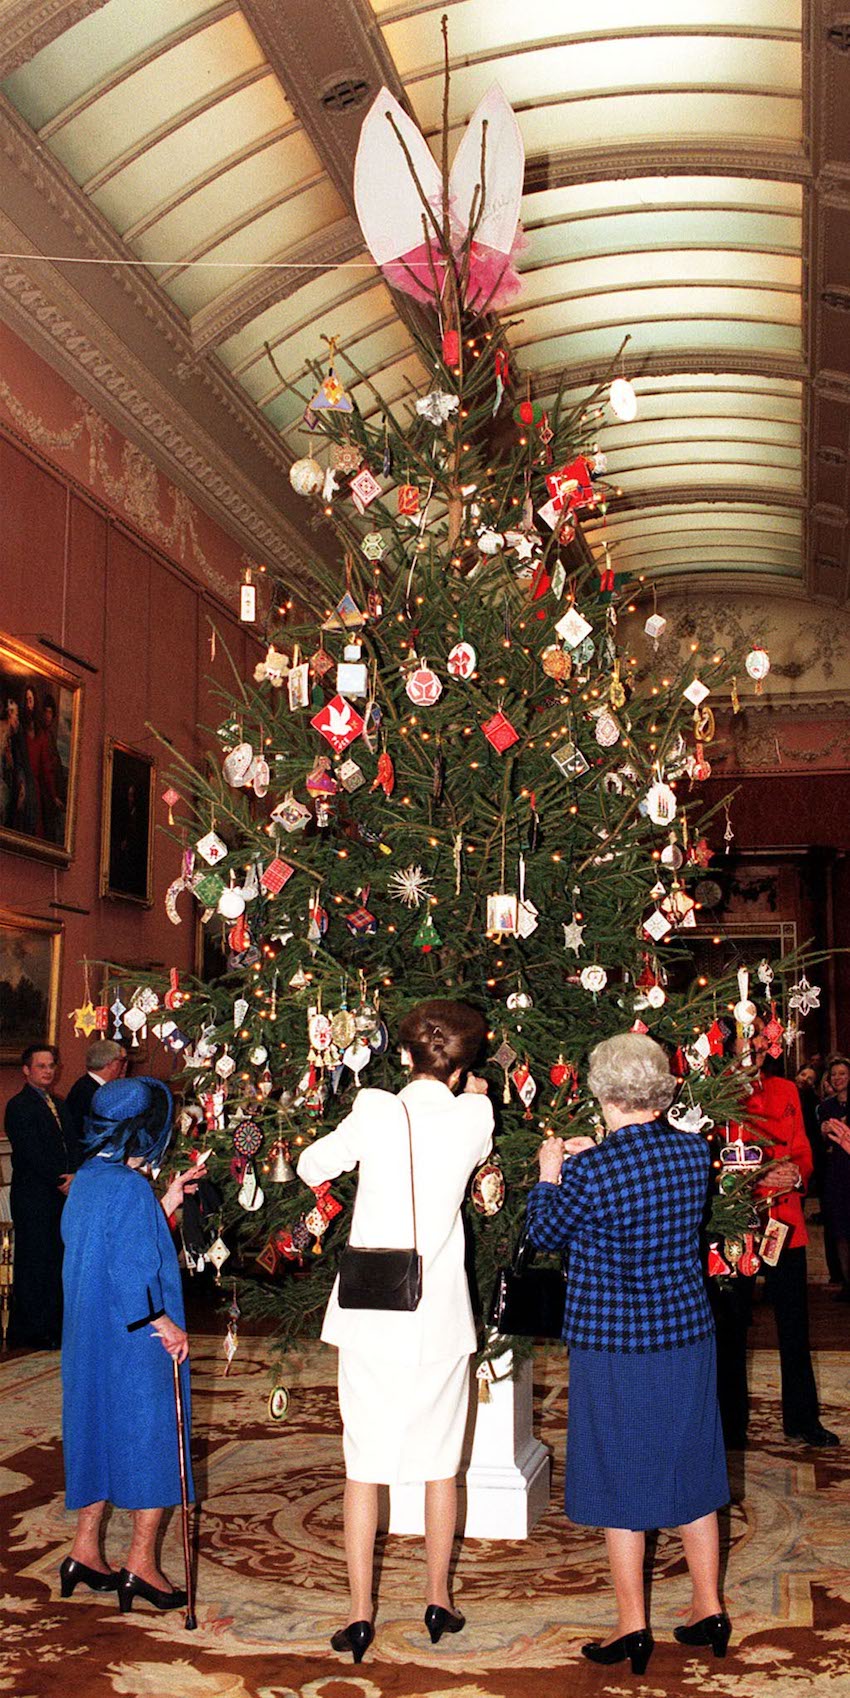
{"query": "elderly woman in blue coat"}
pixel 645 1448
pixel 123 1321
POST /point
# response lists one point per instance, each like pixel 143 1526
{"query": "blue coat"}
pixel 629 1212
pixel 119 1426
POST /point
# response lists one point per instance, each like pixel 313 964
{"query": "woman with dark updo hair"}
pixel 404 1378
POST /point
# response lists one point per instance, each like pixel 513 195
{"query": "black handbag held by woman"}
pixel 528 1301
pixel 383 1279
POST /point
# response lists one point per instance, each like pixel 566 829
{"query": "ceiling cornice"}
pixel 26 26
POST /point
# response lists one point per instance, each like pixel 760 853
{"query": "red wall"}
pixel 71 571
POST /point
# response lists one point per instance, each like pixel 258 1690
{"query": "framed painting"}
pixel 126 837
pixel 30 962
pixel 40 708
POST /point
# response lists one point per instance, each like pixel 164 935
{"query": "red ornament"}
pixel 500 732
pixel 715 1264
pixel 451 347
pixel 239 936
pixel 526 412
pixel 276 875
pixel 339 723
pixel 408 499
pixel 385 779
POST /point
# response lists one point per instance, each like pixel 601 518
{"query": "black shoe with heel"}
pixel 132 1586
pixel 73 1573
pixel 439 1621
pixel 713 1630
pixel 637 1648
pixel 356 1638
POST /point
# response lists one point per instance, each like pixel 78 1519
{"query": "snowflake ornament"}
pixel 437 407
pixel 804 997
pixel 409 886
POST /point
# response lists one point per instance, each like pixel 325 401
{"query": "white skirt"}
pixel 402 1424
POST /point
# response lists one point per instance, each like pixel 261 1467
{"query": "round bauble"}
pixel 306 476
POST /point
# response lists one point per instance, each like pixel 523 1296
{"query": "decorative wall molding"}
pixel 26 26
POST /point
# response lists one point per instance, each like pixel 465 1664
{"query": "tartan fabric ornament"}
pixel 499 731
pixel 361 923
pixel 276 875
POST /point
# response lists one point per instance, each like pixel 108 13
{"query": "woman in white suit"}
pixel 404 1377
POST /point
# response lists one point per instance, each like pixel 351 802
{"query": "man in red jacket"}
pixel 773 1110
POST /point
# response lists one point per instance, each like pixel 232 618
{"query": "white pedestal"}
pixel 504 1477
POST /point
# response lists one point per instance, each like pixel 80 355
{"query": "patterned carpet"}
pixel 271 1582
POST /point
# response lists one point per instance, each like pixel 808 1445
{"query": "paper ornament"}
pixel 423 686
pixel 524 1084
pixel 306 476
pixel 501 920
pixel 556 662
pixel 660 802
pixel 657 925
pixel 389 203
pixel 462 660
pixel 276 875
pixel 437 406
pixel 570 761
pixel 298 686
pixel 350 776
pixel 290 814
pixel 655 627
pixel 211 848
pixel 696 692
pixel 407 500
pixel 427 937
pixel 606 730
pixel 593 978
pixel 84 1018
pixel 573 627
pixel 260 776
pixel 237 764
pixel 688 1118
pixel 339 723
pixel 352 678
pixel 373 545
pixel 346 616
pixel 321 662
pixel 499 731
pixel 365 489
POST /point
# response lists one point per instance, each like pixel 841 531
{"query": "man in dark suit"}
pixel 105 1061
pixel 40 1132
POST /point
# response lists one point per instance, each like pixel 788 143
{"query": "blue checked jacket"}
pixel 629 1213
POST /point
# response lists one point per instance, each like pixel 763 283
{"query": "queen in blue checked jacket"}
pixel 645 1448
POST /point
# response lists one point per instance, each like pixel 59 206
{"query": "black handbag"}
pixel 382 1279
pixel 528 1301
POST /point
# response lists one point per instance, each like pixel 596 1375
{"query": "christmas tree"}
pixel 450 775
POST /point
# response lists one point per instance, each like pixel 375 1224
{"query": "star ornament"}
pixel 804 997
pixel 573 936
pixel 410 886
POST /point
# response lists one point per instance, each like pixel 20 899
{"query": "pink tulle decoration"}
pixel 492 281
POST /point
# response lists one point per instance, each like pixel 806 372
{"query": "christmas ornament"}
pixel 385 777
pixel 519 999
pixel 407 500
pixel 593 978
pixel 501 920
pixel 356 1057
pixel 360 922
pixel 231 902
pixel 339 723
pixel 487 1189
pixel 365 489
pixel 331 396
pixel 409 886
pixel 655 627
pixel 321 662
pixel 273 668
pixel 211 848
pixel 423 686
pixel 696 692
pixel 573 627
pixel 688 1118
pixel 135 1021
pixel 276 875
pixel 352 678
pixel 84 1018
pixel 573 936
pixel 346 456
pixel 290 814
pixel 715 1265
pixel 606 730
pixel 556 662
pixel 803 997
pixel 499 731
pixel 247 1138
pixel 306 476
pixel 524 1084
pixel 373 545
pixel 438 406
pixel 671 854
pixel 757 664
pixel 218 1254
pixel 745 1011
pixel 623 400
pixel 660 803
pixel 656 926
pixel 738 1156
pixel 427 937
pixel 570 761
pixel 250 1196
pixel 462 660
pixel 350 776
pixel 171 797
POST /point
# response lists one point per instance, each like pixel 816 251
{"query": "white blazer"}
pixel 451 1135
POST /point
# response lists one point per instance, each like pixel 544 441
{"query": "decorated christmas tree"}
pixel 450 776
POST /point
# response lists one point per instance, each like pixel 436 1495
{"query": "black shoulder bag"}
pixel 383 1279
pixel 529 1302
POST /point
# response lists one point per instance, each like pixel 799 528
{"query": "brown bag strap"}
pixel 412 1187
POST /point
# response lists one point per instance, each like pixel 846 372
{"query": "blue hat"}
pixel 129 1117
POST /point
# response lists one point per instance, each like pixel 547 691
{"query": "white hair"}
pixel 632 1072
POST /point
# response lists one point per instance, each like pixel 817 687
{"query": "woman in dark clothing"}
pixel 645 1448
pixel 833 1116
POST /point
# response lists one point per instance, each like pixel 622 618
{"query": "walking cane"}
pixel 191 1619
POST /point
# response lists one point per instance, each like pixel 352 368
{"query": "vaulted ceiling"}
pixel 687 184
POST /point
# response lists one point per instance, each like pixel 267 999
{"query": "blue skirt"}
pixel 644 1441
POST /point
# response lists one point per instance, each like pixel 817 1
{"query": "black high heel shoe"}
pixel 356 1638
pixel 439 1621
pixel 636 1647
pixel 132 1586
pixel 713 1630
pixel 73 1573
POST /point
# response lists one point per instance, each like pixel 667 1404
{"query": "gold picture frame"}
pixel 30 965
pixel 40 719
pixel 127 820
